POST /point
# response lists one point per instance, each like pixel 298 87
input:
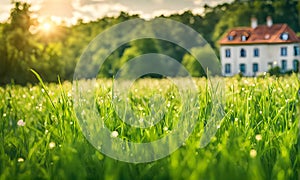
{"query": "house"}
pixel 256 49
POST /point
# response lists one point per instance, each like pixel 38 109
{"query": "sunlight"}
pixel 46 27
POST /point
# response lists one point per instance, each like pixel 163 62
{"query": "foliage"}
pixel 276 71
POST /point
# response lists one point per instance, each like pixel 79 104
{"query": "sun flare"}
pixel 46 26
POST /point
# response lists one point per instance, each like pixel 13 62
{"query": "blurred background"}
pixel 50 36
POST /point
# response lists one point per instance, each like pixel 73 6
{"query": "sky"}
pixel 71 10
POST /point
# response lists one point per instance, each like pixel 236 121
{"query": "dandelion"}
pixel 4 114
pixel 52 145
pixel 165 128
pixel 114 134
pixel 253 153
pixel 20 160
pixel 21 123
pixel 258 137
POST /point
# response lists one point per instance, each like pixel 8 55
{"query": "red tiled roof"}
pixel 262 34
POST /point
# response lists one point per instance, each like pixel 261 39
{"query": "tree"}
pixel 201 60
pixel 17 42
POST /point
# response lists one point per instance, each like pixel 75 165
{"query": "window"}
pixel 283 51
pixel 244 38
pixel 230 38
pixel 255 67
pixel 284 36
pixel 283 65
pixel 295 65
pixel 243 68
pixel 296 51
pixel 227 53
pixel 256 52
pixel 243 53
pixel 227 68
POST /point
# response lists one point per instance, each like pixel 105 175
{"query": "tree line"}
pixel 54 53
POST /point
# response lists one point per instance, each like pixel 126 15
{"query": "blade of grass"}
pixel 43 85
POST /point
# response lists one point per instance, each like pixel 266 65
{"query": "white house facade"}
pixel 256 49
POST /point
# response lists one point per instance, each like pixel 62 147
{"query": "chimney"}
pixel 253 23
pixel 269 21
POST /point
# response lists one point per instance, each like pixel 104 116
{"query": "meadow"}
pixel 40 137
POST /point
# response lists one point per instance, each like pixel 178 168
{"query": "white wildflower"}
pixel 253 153
pixel 52 145
pixel 20 160
pixel 169 104
pixel 114 134
pixel 21 123
pixel 258 137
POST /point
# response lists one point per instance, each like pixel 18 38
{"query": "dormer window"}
pixel 284 36
pixel 244 38
pixel 230 38
pixel 267 36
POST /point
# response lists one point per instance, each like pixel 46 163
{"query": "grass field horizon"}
pixel 257 139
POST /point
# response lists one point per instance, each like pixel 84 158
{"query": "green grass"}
pixel 258 137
